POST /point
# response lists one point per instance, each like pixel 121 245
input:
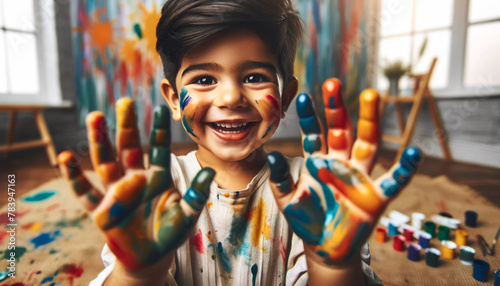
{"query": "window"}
pixel 460 33
pixel 28 53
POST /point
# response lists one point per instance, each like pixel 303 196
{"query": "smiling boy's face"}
pixel 229 98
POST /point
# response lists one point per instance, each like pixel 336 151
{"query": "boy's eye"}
pixel 204 80
pixel 254 78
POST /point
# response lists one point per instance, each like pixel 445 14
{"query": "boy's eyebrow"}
pixel 204 66
pixel 256 64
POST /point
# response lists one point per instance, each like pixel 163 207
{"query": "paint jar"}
pixel 380 234
pixel 398 243
pixel 445 214
pixel 497 278
pixel 448 249
pixel 393 228
pixel 408 233
pixel 470 218
pixel 443 232
pixel 432 257
pixel 480 270
pixel 424 239
pixel 461 236
pixel 414 252
pixel 430 228
pixel 467 255
pixel 417 220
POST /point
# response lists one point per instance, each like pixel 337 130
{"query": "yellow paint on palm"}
pixel 160 208
pixel 260 227
pixel 129 190
pixel 364 196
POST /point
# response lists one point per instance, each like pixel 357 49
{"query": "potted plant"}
pixel 393 71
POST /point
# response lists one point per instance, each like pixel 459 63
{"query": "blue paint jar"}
pixel 480 270
pixel 470 218
pixel 423 239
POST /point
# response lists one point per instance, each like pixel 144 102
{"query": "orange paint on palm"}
pixel 108 171
pixel 337 139
pixel 362 194
pixel 130 190
pixel 258 217
pixel 119 248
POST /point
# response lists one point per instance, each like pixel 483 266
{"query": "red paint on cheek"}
pixel 197 242
pixel 273 101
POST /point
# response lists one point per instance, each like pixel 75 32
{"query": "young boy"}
pixel 264 219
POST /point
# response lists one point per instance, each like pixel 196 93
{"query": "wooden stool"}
pixel 46 139
pixel 421 92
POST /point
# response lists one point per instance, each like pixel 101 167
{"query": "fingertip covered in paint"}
pixel 161 117
pixel 279 171
pixel 411 158
pixel 197 195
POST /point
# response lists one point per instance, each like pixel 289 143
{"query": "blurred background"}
pixel 73 57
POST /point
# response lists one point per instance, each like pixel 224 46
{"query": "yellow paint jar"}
pixel 448 249
pixel 461 236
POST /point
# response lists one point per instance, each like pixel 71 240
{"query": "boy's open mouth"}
pixel 231 128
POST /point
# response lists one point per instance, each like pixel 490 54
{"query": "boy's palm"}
pixel 142 215
pixel 334 204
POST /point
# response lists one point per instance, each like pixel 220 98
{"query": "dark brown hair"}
pixel 186 23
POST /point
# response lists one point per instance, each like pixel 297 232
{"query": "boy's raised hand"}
pixel 334 204
pixel 142 215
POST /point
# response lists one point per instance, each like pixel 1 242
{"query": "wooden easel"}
pixel 420 92
pixel 46 139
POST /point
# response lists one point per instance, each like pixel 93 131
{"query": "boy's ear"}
pixel 289 94
pixel 172 98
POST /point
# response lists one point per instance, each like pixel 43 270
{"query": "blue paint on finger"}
pixel 306 217
pixel 390 187
pixel 401 175
pixel 312 143
pixel 116 211
pixel 411 158
pixel 308 121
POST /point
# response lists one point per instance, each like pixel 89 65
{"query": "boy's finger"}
pixel 312 135
pixel 339 134
pixel 197 195
pixel 159 152
pixel 281 182
pixel 128 143
pixel 89 196
pixel 365 147
pixel 401 173
pixel 101 151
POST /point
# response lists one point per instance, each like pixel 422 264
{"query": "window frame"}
pixel 456 87
pixel 49 93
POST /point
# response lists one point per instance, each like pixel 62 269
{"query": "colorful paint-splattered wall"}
pixel 114 48
pixel 335 45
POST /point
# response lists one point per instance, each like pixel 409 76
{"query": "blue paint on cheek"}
pixel 390 187
pixel 187 127
pixel 306 217
pixel 269 130
pixel 312 143
pixel 185 102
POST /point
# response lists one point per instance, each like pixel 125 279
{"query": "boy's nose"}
pixel 231 97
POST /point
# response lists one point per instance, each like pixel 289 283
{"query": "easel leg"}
pixel 44 132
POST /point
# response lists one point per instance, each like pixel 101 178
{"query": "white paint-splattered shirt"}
pixel 241 238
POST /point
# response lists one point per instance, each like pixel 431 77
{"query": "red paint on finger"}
pixel 336 118
pixel 337 139
pixel 332 97
pixel 132 157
